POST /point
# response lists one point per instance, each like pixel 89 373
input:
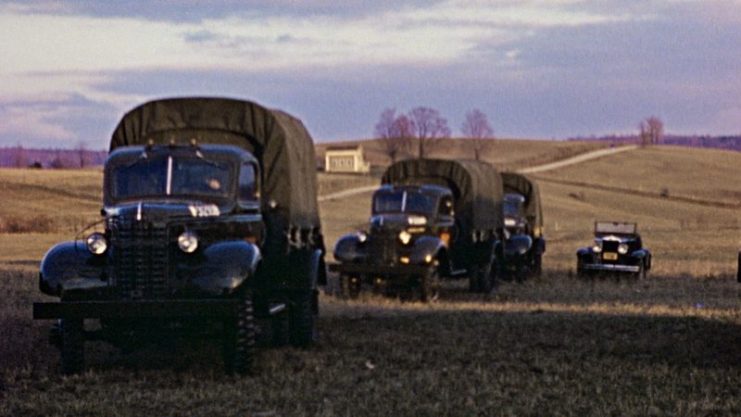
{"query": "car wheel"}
pixel 302 320
pixel 73 346
pixel 430 284
pixel 280 329
pixel 473 280
pixel 239 338
pixel 350 286
pixel 580 273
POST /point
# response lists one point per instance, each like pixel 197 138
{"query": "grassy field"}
pixel 667 346
pixel 504 153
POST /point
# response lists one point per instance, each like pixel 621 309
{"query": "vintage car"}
pixel 617 248
pixel 430 219
pixel 523 220
pixel 211 227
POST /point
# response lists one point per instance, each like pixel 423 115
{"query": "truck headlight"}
pixel 623 248
pixel 597 248
pixel 405 237
pixel 509 222
pixel 188 242
pixel 96 243
pixel 362 236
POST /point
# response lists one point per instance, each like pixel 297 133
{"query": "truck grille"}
pixel 382 248
pixel 139 258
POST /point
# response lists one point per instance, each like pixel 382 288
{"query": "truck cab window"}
pixel 247 183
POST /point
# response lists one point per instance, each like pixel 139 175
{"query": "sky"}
pixel 537 68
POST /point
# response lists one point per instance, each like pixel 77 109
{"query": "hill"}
pixel 668 345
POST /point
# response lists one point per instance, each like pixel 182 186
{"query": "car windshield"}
pixel 404 201
pixel 171 176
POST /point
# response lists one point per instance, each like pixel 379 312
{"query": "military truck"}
pixel 430 219
pixel 523 220
pixel 211 227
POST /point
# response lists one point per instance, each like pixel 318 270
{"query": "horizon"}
pixel 538 70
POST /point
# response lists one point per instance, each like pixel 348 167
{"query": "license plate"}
pixel 610 256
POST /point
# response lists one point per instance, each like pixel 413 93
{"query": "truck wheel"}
pixel 485 278
pixel 73 346
pixel 537 270
pixel 580 269
pixel 350 287
pixel 302 324
pixel 239 338
pixel 642 272
pixel 473 280
pixel 430 286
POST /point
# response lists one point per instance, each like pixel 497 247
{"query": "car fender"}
pixel 643 254
pixel 349 248
pixel 69 265
pixel 584 253
pixel 223 266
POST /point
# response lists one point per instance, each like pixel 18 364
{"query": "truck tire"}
pixel 473 281
pixel 302 320
pixel 430 286
pixel 485 278
pixel 537 270
pixel 239 338
pixel 73 346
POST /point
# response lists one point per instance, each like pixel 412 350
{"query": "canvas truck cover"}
pixel 279 141
pixel 518 183
pixel 476 186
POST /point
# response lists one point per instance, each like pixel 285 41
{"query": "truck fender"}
pixel 425 247
pixel 349 249
pixel 70 265
pixel 225 266
pixel 517 245
pixel 318 273
pixel 539 245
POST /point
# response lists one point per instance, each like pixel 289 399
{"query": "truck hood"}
pixel 160 210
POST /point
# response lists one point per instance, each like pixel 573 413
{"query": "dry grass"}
pixel 667 346
pixel 506 154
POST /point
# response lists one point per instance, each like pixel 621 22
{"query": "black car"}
pixel 617 248
pixel 211 228
pixel 524 245
pixel 430 219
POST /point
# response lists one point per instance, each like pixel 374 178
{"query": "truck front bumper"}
pixel 379 270
pixel 168 309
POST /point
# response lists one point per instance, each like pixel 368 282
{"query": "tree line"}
pixel 423 129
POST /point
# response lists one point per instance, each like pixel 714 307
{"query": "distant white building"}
pixel 345 159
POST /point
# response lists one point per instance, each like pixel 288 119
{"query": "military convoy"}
pixel 431 219
pixel 211 227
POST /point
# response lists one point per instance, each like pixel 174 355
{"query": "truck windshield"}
pixel 513 205
pixel 171 176
pixel 404 202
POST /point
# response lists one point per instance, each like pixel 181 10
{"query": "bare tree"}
pixel 651 131
pixel 81 152
pixel 394 131
pixel 19 156
pixel 428 128
pixel 477 128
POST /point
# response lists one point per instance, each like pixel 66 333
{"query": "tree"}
pixel 394 131
pixel 477 128
pixel 81 152
pixel 19 157
pixel 651 131
pixel 428 128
